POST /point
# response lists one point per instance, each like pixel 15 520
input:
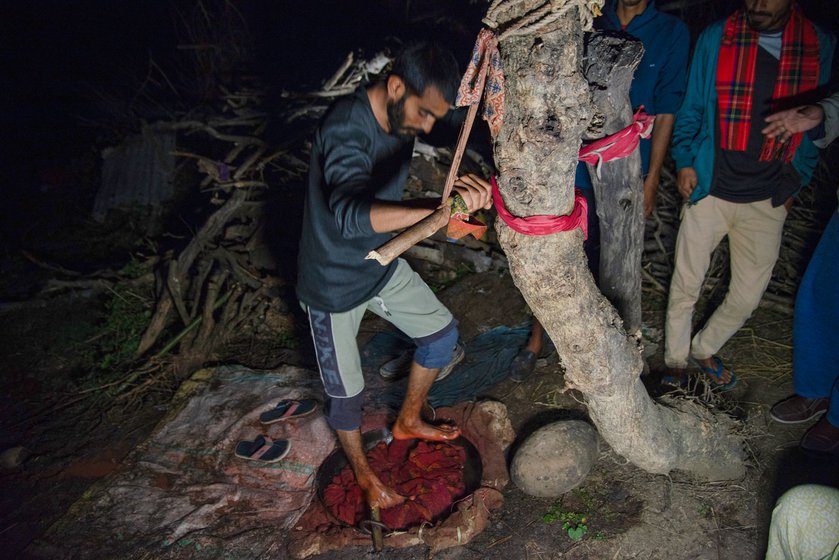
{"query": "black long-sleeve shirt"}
pixel 353 163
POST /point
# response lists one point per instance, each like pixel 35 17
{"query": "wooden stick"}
pixel 411 236
pixel 378 539
pixel 465 130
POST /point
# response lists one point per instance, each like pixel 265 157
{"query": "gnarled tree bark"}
pixel 548 107
pixel 609 62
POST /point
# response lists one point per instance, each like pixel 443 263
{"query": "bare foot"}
pixel 378 495
pixel 423 430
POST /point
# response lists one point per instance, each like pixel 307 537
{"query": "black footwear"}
pixel 287 409
pixel 523 365
pixel 263 450
pixel 797 409
pixel 822 438
pixel 399 366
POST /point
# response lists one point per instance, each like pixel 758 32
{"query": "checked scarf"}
pixel 798 72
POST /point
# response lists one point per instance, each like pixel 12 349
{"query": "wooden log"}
pixel 610 60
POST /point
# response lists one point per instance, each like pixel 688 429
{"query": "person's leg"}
pixel 339 363
pixel 701 229
pixel 754 239
pixel 537 335
pixel 408 303
pixel 805 524
pixel 815 342
pixel 815 349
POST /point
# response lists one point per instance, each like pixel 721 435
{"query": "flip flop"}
pixel 674 381
pixel 263 450
pixel 716 374
pixel 287 409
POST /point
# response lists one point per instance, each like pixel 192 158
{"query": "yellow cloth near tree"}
pixel 805 525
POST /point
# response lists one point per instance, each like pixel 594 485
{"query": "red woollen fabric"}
pixel 430 474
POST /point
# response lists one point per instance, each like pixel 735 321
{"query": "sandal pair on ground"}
pixel 265 450
pixel 715 374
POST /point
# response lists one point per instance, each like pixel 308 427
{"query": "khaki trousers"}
pixel 754 237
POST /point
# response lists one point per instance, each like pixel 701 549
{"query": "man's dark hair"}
pixel 427 64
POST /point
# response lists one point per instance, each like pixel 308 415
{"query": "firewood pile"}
pixel 225 281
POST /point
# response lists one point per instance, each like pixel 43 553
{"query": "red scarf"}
pixel 798 72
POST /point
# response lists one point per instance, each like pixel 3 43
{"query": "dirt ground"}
pixel 629 513
pixel 45 351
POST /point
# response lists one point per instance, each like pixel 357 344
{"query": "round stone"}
pixel 555 458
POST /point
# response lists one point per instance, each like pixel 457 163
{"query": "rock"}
pixel 555 458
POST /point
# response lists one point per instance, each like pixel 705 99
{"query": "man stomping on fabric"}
pixel 736 182
pixel 359 164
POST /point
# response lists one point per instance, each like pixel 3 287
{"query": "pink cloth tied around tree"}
pixel 543 224
pixel 472 85
pixel 620 144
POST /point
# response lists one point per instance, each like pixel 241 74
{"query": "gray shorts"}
pixel 406 301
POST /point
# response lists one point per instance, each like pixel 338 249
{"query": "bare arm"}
pixel 393 216
pixel 662 131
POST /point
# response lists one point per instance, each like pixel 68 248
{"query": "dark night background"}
pixel 55 51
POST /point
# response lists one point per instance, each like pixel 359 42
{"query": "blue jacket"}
pixel 659 81
pixel 696 124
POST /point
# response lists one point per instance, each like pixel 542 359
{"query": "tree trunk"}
pixel 610 62
pixel 548 107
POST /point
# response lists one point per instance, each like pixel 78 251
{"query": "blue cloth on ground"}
pixel 487 362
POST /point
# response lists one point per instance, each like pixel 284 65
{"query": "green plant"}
pixel 575 524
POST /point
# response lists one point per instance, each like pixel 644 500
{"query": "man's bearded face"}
pixel 396 118
pixel 767 15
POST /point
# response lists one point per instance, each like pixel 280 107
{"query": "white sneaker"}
pixel 457 356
